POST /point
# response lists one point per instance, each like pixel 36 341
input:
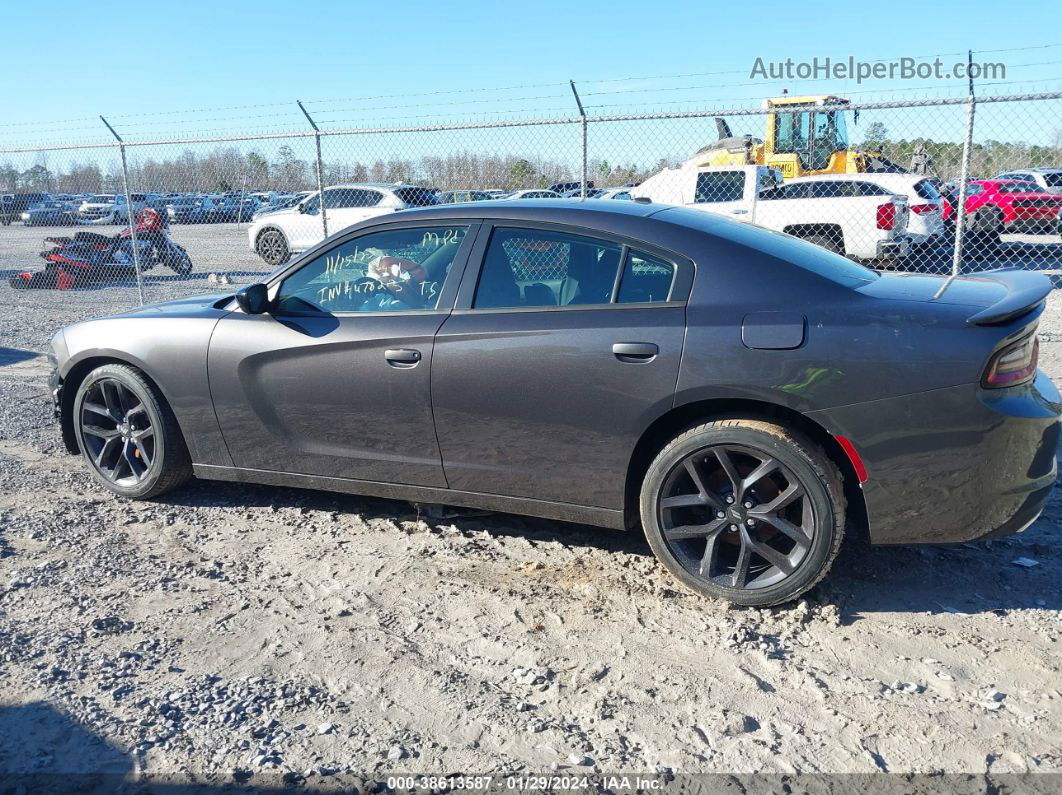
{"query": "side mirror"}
pixel 254 299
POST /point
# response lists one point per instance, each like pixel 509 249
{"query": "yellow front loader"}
pixel 803 136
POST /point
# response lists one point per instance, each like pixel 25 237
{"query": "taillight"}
pixel 923 209
pixel 1015 364
pixel 886 216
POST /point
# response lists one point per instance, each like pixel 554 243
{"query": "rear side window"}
pixel 416 197
pixel 339 198
pixel 926 190
pixel 646 279
pixel 794 190
pixel 719 186
pixel 541 268
pixel 1053 179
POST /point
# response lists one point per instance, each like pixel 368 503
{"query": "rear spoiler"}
pixel 1026 291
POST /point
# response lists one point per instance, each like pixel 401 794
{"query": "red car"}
pixel 1012 202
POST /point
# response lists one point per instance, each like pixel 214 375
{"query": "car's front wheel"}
pixel 744 510
pixel 128 434
pixel 272 247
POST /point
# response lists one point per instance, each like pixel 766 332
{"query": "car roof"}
pixel 556 210
pixel 1034 170
pixel 886 176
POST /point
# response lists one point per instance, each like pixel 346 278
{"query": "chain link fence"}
pixel 942 186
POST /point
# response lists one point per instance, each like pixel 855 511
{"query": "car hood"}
pixel 195 306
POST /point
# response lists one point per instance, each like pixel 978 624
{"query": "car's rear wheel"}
pixel 744 510
pixel 128 433
pixel 273 248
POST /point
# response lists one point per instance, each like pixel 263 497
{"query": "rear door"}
pixel 555 360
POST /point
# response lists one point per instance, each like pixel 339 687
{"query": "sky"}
pixel 194 68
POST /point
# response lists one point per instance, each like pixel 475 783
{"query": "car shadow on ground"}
pixel 10 356
pixel 962 579
pixel 44 750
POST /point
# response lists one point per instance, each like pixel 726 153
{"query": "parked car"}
pixel 99 209
pixel 185 210
pixel 280 202
pixel 111 208
pixel 577 193
pixel 534 193
pixel 49 213
pixel 925 222
pixel 1048 180
pixel 275 237
pixel 826 213
pixel 1014 206
pixel 496 193
pixel 561 187
pixel 461 196
pixel 12 205
pixel 742 411
pixel 623 193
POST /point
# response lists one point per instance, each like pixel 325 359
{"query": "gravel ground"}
pixel 273 636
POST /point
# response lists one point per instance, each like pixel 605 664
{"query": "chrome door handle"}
pixel 635 351
pixel 402 357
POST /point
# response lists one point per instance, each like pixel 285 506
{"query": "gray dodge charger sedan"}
pixel 741 396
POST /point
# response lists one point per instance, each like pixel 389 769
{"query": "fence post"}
pixel 320 178
pixel 964 171
pixel 582 115
pixel 129 215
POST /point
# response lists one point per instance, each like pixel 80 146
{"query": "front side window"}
pixel 534 267
pixel 719 186
pixel 391 271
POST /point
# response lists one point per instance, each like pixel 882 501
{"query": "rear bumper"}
pixel 894 249
pixel 955 464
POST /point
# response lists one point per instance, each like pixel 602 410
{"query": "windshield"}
pixel 103 199
pixel 811 135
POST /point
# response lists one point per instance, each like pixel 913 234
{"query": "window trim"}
pixel 680 285
pixel 450 286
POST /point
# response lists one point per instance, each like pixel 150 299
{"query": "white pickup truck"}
pixel 862 227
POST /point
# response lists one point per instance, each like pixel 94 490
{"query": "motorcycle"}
pixel 88 257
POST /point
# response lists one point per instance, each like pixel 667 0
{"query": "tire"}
pixel 107 433
pixel 179 261
pixel 272 247
pixel 828 242
pixel 983 234
pixel 804 483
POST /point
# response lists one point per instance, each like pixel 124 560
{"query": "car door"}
pixel 555 360
pixel 335 380
pixel 724 192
